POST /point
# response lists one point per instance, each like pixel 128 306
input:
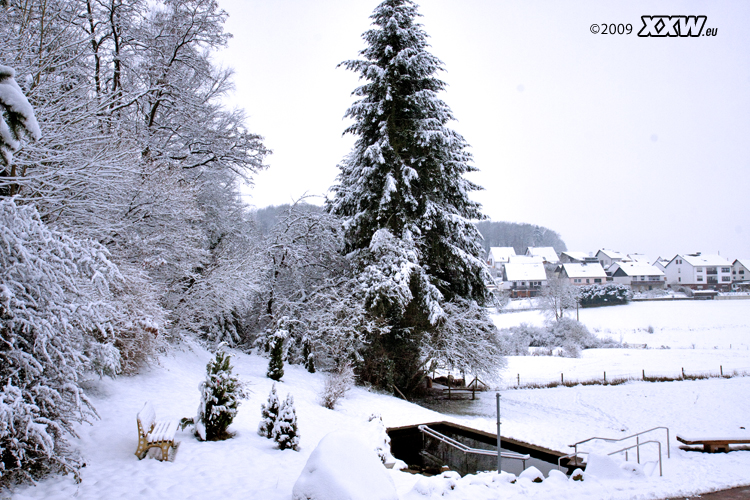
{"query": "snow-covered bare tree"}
pixel 404 198
pixel 558 296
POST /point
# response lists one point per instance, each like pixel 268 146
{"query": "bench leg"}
pixel 165 451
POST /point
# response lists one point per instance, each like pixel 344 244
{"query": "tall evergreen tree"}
pixel 403 195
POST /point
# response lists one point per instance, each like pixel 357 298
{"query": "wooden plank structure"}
pixel 153 433
pixel 714 444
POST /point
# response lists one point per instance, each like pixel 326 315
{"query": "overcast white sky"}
pixel 614 141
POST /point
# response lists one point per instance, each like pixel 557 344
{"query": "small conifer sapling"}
pixel 269 412
pixel 285 431
pixel 221 393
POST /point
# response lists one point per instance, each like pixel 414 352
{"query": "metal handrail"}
pixel 466 449
pixel 637 445
pixel 575 454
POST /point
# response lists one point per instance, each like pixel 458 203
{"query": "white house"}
pixel 608 257
pixel 639 276
pixel 497 257
pixel 526 259
pixel 571 257
pixel 699 272
pixel 583 274
pixel 741 273
pixel 661 263
pixel 548 254
pixel 524 280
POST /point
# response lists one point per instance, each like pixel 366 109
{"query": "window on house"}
pixel 679 280
pixel 726 278
pixel 577 280
pixel 698 269
pixel 587 280
pixel 597 280
pixel 724 269
pixel 742 271
pixel 700 278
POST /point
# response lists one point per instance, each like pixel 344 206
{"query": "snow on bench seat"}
pixel 714 444
pixel 153 434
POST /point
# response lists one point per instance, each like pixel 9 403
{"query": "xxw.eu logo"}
pixel 674 26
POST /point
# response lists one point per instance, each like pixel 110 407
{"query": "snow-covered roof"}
pixel 501 254
pixel 525 259
pixel 525 272
pixel 636 269
pixel 638 257
pixel 584 270
pixel 547 253
pixel 612 254
pixel 704 260
pixel 577 255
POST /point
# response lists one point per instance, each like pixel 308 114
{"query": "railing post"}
pixel 638 448
pixel 499 453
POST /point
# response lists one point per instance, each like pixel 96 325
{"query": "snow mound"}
pixel 532 474
pixel 344 468
pixel 603 467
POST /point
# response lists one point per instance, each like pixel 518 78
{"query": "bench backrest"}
pixel 146 417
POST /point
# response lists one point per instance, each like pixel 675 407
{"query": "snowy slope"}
pixel 249 466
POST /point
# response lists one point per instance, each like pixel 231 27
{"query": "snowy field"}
pixel 249 466
pixel 699 336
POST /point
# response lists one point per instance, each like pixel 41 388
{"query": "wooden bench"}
pixel 153 434
pixel 714 445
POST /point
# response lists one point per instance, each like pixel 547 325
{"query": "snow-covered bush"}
pixel 337 383
pixel 378 436
pixel 56 325
pixel 285 431
pixel 565 333
pixel 269 412
pixel 221 393
pixel 608 294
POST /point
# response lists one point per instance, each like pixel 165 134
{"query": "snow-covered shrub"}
pixel 565 333
pixel 285 431
pixel 378 436
pixel 337 383
pixel 221 393
pixel 269 412
pixel 572 336
pixel 56 325
pixel 605 294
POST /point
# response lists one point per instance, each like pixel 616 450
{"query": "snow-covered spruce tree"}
pixel 269 412
pixel 404 199
pixel 276 362
pixel 221 393
pixel 17 122
pixel 285 431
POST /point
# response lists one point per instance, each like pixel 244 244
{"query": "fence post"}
pixel 644 374
pixel 721 370
pixel 562 380
pixel 605 377
pixel 518 384
pixel 683 372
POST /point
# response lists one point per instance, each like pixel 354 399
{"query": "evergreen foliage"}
pixel 221 393
pixel 403 197
pixel 276 362
pixel 269 412
pixel 285 431
pixel 608 294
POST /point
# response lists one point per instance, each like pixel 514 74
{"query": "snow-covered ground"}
pixel 249 466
